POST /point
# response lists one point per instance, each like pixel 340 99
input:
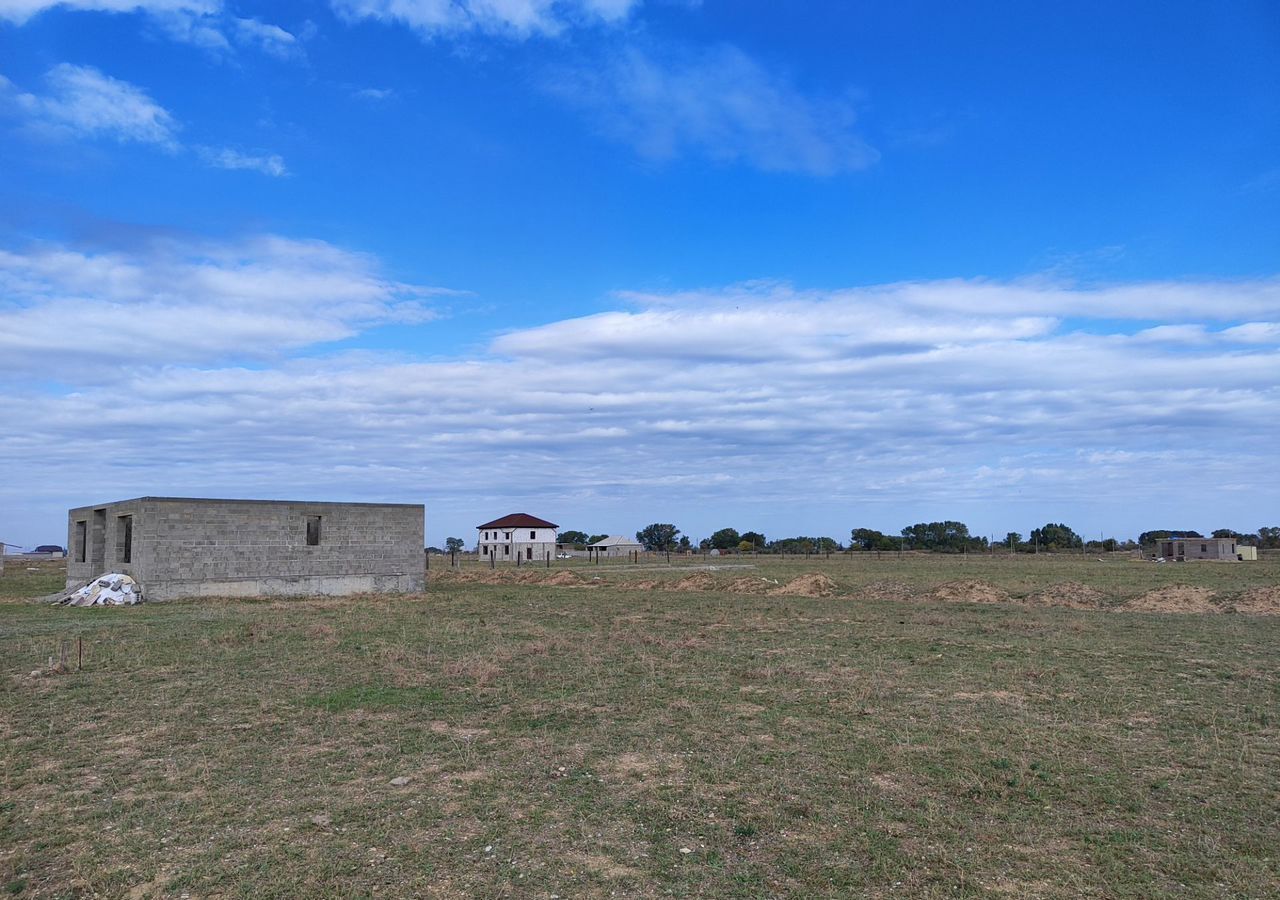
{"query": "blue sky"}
pixel 613 261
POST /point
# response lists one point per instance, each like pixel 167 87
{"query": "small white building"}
pixel 615 545
pixel 518 536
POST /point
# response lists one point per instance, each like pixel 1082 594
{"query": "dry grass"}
pixel 517 739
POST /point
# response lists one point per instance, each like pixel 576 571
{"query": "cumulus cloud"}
pixel 721 104
pixel 515 18
pixel 84 102
pixel 755 399
pixel 203 23
pixel 191 302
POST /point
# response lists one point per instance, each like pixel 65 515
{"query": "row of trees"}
pixel 943 537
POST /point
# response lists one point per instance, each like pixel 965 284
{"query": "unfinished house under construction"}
pixel 181 547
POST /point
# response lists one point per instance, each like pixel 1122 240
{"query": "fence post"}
pixel 548 559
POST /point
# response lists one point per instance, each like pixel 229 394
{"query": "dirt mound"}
pixel 647 584
pixel 967 592
pixel 563 579
pixel 1176 598
pixel 698 581
pixel 816 585
pixel 1067 593
pixel 1259 601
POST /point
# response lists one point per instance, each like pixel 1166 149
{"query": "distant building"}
pixel 181 547
pixel 518 536
pixel 614 546
pixel 1185 548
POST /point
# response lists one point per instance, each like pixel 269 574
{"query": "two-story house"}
pixel 518 536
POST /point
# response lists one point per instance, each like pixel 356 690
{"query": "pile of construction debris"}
pixel 112 589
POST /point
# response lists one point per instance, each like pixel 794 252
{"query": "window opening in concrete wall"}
pixel 124 538
pixel 98 541
pixel 313 531
pixel 506 551
pixel 528 553
pixel 1204 548
pixel 80 540
pixel 533 535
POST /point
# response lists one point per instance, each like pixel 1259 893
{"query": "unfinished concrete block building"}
pixel 182 547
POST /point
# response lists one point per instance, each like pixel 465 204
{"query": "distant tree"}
pixel 725 539
pixel 684 543
pixel 577 538
pixel 453 545
pixel 596 537
pixel 1110 545
pixel 1233 534
pixel 755 539
pixel 1269 538
pixel 658 536
pixel 1013 540
pixel 948 536
pixel 1055 537
pixel 435 550
pixel 870 539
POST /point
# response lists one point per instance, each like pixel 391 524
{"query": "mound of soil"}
pixel 967 592
pixel 698 581
pixel 816 585
pixel 1068 593
pixel 1259 601
pixel 646 585
pixel 1176 598
pixel 563 579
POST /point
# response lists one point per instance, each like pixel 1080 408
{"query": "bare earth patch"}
pixel 813 585
pixel 1067 593
pixel 1178 598
pixel 1259 601
pixel 698 581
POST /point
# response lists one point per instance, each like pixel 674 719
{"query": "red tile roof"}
pixel 519 520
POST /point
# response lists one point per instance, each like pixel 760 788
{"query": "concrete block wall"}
pixel 194 547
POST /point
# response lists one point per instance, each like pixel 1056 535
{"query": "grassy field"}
pixel 639 731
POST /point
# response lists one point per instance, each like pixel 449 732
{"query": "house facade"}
pixel 185 547
pixel 615 545
pixel 515 538
pixel 1181 549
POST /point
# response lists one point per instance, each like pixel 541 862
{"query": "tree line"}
pixel 939 537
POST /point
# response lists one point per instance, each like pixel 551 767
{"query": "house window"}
pixel 82 529
pixel 1204 548
pixel 506 535
pixel 533 535
pixel 528 553
pixel 506 551
pixel 485 549
pixel 124 538
pixel 313 531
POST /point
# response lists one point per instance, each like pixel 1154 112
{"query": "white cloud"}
pixel 798 408
pixel 721 104
pixel 20 11
pixel 515 18
pixel 270 39
pixel 83 102
pixel 227 158
pixel 202 23
pixel 190 302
